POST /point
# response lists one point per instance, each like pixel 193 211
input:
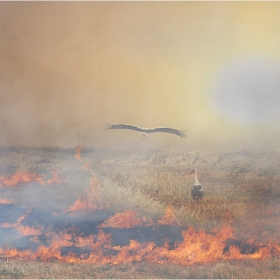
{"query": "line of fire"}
pixel 68 235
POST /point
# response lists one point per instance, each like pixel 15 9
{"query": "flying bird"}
pixel 145 131
pixel 197 189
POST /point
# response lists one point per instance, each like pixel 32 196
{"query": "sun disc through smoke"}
pixel 248 91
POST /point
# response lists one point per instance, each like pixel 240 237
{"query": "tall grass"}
pixel 237 186
pixel 250 269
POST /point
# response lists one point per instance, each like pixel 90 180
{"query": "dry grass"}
pixel 240 188
pixel 268 269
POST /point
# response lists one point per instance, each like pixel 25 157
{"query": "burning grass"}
pixel 197 247
pixel 5 201
pixel 130 209
pixel 78 153
pixel 169 217
pixel 126 219
pixel 24 177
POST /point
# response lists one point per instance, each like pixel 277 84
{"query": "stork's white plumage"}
pixel 145 131
pixel 197 190
pixel 196 182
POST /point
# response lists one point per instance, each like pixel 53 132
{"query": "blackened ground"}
pixel 86 224
pixel 83 225
pixel 244 247
pixel 157 234
pixel 9 213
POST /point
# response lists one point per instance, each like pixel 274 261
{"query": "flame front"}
pixel 82 204
pixel 197 247
pixel 126 219
pixel 20 177
pixel 169 217
pixel 5 201
pixel 23 229
pixel 24 177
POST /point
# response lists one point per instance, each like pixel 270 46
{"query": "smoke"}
pixel 68 67
pixel 247 90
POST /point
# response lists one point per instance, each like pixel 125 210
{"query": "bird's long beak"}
pixel 193 171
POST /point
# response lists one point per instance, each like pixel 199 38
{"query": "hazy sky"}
pixel 211 68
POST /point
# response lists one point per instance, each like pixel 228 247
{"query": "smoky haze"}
pixel 68 67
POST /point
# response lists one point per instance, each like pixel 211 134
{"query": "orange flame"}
pixel 197 247
pixel 78 153
pixel 27 231
pixel 82 204
pixel 92 201
pixel 5 201
pixel 56 179
pixel 19 220
pixel 21 177
pixel 169 217
pixel 86 165
pixel 126 219
pixel 24 230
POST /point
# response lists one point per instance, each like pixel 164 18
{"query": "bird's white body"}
pixel 197 189
pixel 196 182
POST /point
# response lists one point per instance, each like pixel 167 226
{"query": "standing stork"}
pixel 197 189
pixel 145 131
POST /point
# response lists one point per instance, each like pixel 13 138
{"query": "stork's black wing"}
pixel 180 133
pixel 123 126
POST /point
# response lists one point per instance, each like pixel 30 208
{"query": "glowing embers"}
pixel 25 177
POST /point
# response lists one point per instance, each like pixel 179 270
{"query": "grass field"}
pixel 241 190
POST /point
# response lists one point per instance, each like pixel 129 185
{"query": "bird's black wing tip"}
pixel 183 134
pixel 106 126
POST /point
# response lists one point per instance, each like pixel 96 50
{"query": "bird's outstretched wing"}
pixel 180 133
pixel 123 126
